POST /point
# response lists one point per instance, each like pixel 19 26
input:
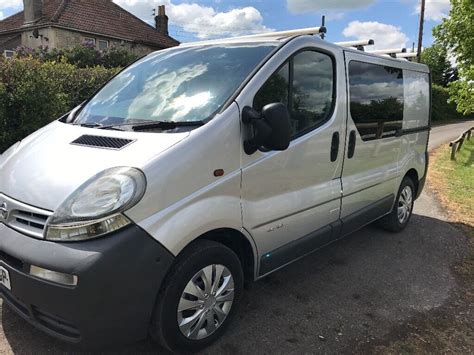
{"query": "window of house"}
pixel 89 41
pixel 103 44
pixel 376 99
pixel 306 85
pixel 9 54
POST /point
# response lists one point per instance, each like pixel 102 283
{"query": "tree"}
pixel 442 71
pixel 456 34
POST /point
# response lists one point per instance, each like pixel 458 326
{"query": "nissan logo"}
pixel 3 211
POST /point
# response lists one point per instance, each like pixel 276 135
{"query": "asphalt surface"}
pixel 354 291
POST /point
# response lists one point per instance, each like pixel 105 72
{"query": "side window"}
pixel 276 89
pixel 306 85
pixel 312 90
pixel 376 99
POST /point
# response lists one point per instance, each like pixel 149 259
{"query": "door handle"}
pixel 352 145
pixel 335 146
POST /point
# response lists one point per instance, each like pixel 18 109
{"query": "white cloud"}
pixel 385 36
pixel 299 6
pixel 435 10
pixel 202 21
pixel 10 4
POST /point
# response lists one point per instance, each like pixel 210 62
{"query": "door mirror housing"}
pixel 271 128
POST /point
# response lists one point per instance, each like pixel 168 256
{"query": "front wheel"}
pixel 398 219
pixel 198 298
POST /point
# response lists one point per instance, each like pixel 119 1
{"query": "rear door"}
pixel 375 115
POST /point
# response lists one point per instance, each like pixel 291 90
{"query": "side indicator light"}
pixel 219 172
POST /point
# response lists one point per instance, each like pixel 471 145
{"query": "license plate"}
pixel 5 278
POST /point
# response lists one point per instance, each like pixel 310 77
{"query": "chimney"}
pixel 33 10
pixel 161 20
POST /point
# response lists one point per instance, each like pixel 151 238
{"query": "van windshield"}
pixel 176 85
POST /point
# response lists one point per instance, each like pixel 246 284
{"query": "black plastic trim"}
pixel 367 215
pixel 119 277
pixel 296 249
pixel 318 239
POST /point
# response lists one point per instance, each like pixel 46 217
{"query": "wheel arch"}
pixel 240 244
pixel 413 175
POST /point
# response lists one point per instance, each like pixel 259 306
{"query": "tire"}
pixel 400 216
pixel 201 257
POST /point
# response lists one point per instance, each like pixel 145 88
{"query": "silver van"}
pixel 144 210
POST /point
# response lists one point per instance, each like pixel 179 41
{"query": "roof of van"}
pixel 278 41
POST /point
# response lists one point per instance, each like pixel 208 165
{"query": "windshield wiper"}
pixel 149 125
pixel 164 125
pixel 89 125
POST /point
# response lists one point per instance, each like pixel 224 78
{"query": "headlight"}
pixel 96 207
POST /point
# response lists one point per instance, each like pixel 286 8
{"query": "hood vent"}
pixel 103 142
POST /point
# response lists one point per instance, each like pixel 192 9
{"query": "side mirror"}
pixel 271 128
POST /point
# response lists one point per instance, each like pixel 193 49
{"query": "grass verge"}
pixel 453 182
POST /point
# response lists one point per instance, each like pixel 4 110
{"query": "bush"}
pixel 83 56
pixel 443 109
pixel 34 93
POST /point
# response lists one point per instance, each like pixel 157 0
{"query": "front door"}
pixel 291 198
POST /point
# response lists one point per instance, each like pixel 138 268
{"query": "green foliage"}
pixel 456 34
pixel 115 57
pixel 442 71
pixel 34 93
pixel 443 107
pixel 462 92
pixel 83 56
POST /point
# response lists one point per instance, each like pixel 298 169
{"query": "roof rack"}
pixel 357 44
pixel 407 56
pixel 388 51
pixel 290 33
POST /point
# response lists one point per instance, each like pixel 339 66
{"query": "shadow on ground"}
pixel 352 292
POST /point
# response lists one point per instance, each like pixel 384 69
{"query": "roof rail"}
pixel 357 44
pixel 290 33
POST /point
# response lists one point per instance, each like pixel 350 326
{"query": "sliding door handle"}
pixel 335 146
pixel 352 145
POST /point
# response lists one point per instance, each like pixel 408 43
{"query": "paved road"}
pixel 356 290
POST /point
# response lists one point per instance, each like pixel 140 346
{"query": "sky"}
pixel 391 23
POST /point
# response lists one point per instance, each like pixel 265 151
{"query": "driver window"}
pixel 306 85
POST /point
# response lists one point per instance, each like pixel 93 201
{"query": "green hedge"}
pixel 442 108
pixel 34 93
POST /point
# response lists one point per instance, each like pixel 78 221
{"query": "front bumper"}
pixel 119 278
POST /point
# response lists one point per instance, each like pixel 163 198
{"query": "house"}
pixel 66 23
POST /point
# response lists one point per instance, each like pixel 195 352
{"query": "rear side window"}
pixel 306 85
pixel 376 99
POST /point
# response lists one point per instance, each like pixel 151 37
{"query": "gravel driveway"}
pixel 354 291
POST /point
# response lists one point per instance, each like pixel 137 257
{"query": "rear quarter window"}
pixel 376 99
pixel 417 99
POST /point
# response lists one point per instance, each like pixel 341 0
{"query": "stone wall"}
pixel 53 37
